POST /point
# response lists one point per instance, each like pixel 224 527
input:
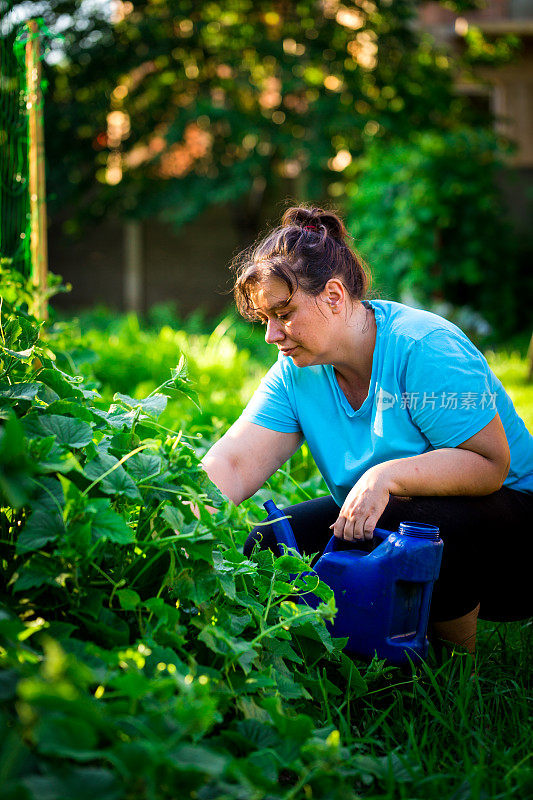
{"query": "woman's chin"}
pixel 300 358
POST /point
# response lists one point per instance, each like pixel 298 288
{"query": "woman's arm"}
pixel 478 466
pixel 246 456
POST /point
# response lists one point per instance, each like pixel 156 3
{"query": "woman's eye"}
pixel 283 317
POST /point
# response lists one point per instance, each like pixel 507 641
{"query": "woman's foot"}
pixel 460 631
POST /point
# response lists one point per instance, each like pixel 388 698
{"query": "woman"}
pixel 401 413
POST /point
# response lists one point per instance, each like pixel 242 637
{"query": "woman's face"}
pixel 302 328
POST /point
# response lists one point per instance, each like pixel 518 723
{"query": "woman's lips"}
pixel 288 350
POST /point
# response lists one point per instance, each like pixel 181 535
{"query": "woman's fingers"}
pixel 357 529
pixel 368 527
pixel 338 527
pixel 361 510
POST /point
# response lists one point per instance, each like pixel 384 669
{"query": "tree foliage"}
pixel 208 99
pixel 431 221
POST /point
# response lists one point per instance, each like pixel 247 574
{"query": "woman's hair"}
pixel 307 250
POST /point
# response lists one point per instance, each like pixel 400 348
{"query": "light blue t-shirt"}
pixel 430 388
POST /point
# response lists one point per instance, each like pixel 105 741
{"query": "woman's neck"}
pixel 355 351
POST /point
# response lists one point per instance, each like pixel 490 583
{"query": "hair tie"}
pixel 310 228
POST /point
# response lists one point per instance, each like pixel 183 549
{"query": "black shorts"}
pixel 487 556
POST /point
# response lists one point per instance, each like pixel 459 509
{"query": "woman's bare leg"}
pixel 460 631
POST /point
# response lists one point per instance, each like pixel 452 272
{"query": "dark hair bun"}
pixel 325 221
pixel 307 250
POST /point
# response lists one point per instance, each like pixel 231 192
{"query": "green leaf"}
pixel 286 685
pixel 68 431
pixel 128 599
pixel 21 355
pixel 352 676
pixel 260 734
pixel 75 503
pixel 29 331
pixel 41 528
pixel 282 649
pixel 38 571
pixel 48 495
pixel 176 520
pixel 56 459
pixel 11 440
pixel 265 767
pixel 143 466
pixel 65 407
pixel 298 728
pixel 153 406
pixel 59 735
pixel 57 381
pixel 109 629
pixel 199 759
pixel 19 391
pixel 236 623
pixel 83 783
pixel 90 394
pixel 107 524
pixel 15 466
pixel 80 535
pixel 179 372
pixel 11 331
pixel 218 640
pixel 39 449
pixel 116 416
pixel 385 768
pixel 111 476
pixel 290 564
pixel 181 383
pixel 47 396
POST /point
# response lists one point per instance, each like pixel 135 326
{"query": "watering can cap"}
pixel 420 530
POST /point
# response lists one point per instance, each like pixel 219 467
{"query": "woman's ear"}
pixel 335 294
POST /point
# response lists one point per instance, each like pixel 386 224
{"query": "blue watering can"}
pixel 382 594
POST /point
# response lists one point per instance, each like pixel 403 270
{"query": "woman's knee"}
pixel 396 511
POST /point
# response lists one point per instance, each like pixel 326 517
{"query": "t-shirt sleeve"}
pixel 271 405
pixel 448 388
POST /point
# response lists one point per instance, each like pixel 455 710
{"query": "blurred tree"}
pixel 431 222
pixel 160 107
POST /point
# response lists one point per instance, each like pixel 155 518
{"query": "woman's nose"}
pixel 274 332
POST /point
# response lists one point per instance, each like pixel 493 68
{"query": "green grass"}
pixel 512 370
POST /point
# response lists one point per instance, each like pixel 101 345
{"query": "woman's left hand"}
pixel 363 507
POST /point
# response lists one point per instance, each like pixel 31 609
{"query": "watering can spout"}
pixel 281 527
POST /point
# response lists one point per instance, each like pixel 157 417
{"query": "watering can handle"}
pixel 334 543
pixel 280 525
pixel 331 545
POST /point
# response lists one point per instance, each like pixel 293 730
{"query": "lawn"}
pixel 512 369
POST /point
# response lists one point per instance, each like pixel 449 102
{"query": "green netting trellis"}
pixel 14 180
pixel 19 155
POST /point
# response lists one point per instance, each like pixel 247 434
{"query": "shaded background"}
pixel 177 131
